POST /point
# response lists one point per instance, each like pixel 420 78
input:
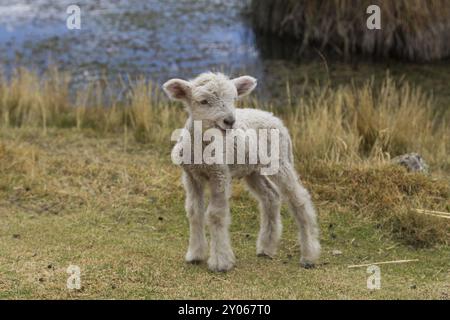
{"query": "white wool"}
pixel 211 98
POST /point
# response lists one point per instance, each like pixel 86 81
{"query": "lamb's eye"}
pixel 204 102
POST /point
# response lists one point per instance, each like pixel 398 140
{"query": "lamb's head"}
pixel 210 97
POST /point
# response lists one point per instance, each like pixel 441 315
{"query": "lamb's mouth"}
pixel 220 128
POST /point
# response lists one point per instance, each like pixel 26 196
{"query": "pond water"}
pixel 153 37
pixel 161 39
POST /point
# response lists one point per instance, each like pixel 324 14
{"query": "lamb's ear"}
pixel 245 85
pixel 177 89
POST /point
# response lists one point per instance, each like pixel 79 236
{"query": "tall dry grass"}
pixel 418 30
pixel 355 124
pixel 30 100
pixel 347 124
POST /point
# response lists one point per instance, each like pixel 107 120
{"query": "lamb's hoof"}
pixel 194 258
pixel 194 262
pixel 265 251
pixel 221 264
pixel 223 268
pixel 264 255
pixel 307 264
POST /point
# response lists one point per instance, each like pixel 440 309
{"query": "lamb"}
pixel 210 98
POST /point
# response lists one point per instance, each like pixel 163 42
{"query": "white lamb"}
pixel 210 98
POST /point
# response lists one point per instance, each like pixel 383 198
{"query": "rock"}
pixel 412 161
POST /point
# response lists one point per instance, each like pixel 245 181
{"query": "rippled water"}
pixel 152 37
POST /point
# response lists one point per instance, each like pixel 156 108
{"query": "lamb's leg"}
pixel 221 254
pixel 302 208
pixel 269 202
pixel 195 209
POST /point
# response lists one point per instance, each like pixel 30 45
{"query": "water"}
pixel 161 39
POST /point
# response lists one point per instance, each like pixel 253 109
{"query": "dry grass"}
pixel 348 124
pixel 388 195
pixel 355 124
pixel 81 183
pixel 411 29
pixel 115 209
pixel 28 100
pixel 348 127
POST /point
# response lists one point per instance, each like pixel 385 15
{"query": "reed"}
pixel 417 30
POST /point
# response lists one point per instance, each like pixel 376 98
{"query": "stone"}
pixel 412 161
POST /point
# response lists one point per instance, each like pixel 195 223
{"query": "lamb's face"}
pixel 211 97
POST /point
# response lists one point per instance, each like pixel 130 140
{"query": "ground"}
pixel 115 208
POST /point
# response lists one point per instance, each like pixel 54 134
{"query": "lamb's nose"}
pixel 229 121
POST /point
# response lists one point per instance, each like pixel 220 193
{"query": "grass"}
pixel 348 123
pixel 72 197
pixel 410 29
pixel 88 185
